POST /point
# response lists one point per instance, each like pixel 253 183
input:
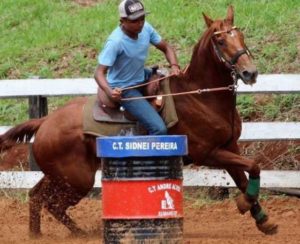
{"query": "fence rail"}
pixel 191 177
pixel 252 131
pixel 269 83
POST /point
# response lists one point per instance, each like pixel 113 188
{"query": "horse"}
pixel 209 117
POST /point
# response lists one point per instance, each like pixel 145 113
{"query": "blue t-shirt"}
pixel 126 57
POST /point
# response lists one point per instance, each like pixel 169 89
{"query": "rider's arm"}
pixel 100 77
pixel 170 56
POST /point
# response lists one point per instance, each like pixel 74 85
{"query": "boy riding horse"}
pixel 122 62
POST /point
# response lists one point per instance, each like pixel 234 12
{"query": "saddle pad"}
pixel 168 112
pixel 92 127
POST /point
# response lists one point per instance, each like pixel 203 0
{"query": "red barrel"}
pixel 142 200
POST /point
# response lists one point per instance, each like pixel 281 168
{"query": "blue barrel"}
pixel 142 198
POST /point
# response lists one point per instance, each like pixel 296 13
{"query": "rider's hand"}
pixel 116 94
pixel 175 69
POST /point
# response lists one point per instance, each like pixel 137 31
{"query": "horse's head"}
pixel 229 47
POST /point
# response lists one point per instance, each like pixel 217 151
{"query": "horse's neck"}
pixel 206 72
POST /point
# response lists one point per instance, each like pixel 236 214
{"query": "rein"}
pixel 153 81
pixel 235 77
pixel 231 63
pixel 144 84
pixel 197 91
pixel 232 87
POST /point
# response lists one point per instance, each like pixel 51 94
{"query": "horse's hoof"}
pixel 268 227
pixel 243 204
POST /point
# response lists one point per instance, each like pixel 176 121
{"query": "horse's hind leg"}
pixel 35 207
pixel 60 198
pixel 56 197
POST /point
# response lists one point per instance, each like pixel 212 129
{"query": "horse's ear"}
pixel 208 20
pixel 230 14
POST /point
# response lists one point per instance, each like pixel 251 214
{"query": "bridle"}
pixel 229 63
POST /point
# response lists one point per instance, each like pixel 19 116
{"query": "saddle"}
pixel 106 110
pixel 99 119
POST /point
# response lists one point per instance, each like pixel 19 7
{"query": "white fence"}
pixel 191 177
pixel 252 131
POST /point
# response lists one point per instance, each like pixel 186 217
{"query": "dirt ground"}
pixel 212 223
pixel 219 222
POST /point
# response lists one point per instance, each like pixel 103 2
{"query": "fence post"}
pixel 38 107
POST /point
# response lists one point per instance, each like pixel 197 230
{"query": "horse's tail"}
pixel 21 133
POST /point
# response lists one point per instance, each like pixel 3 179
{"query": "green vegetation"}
pixel 10 111
pixel 269 108
pixel 21 196
pixel 39 35
pixel 60 39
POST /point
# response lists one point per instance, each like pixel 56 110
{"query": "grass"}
pixel 61 39
pixel 39 34
pixel 21 196
pixel 14 111
pixel 10 111
pixel 269 108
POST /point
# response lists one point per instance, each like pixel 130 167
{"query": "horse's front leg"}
pixel 235 164
pixel 248 200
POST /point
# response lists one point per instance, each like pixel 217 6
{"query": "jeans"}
pixel 142 110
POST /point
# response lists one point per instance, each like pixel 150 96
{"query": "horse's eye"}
pixel 221 42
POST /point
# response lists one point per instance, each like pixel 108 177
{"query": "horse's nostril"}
pixel 249 75
pixel 246 74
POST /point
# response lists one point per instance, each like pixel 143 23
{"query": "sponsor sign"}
pixel 157 199
pixel 141 146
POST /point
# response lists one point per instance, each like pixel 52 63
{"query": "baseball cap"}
pixel 132 9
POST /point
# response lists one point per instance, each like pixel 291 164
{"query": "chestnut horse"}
pixel 68 159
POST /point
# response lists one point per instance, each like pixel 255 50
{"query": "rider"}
pixel 122 60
